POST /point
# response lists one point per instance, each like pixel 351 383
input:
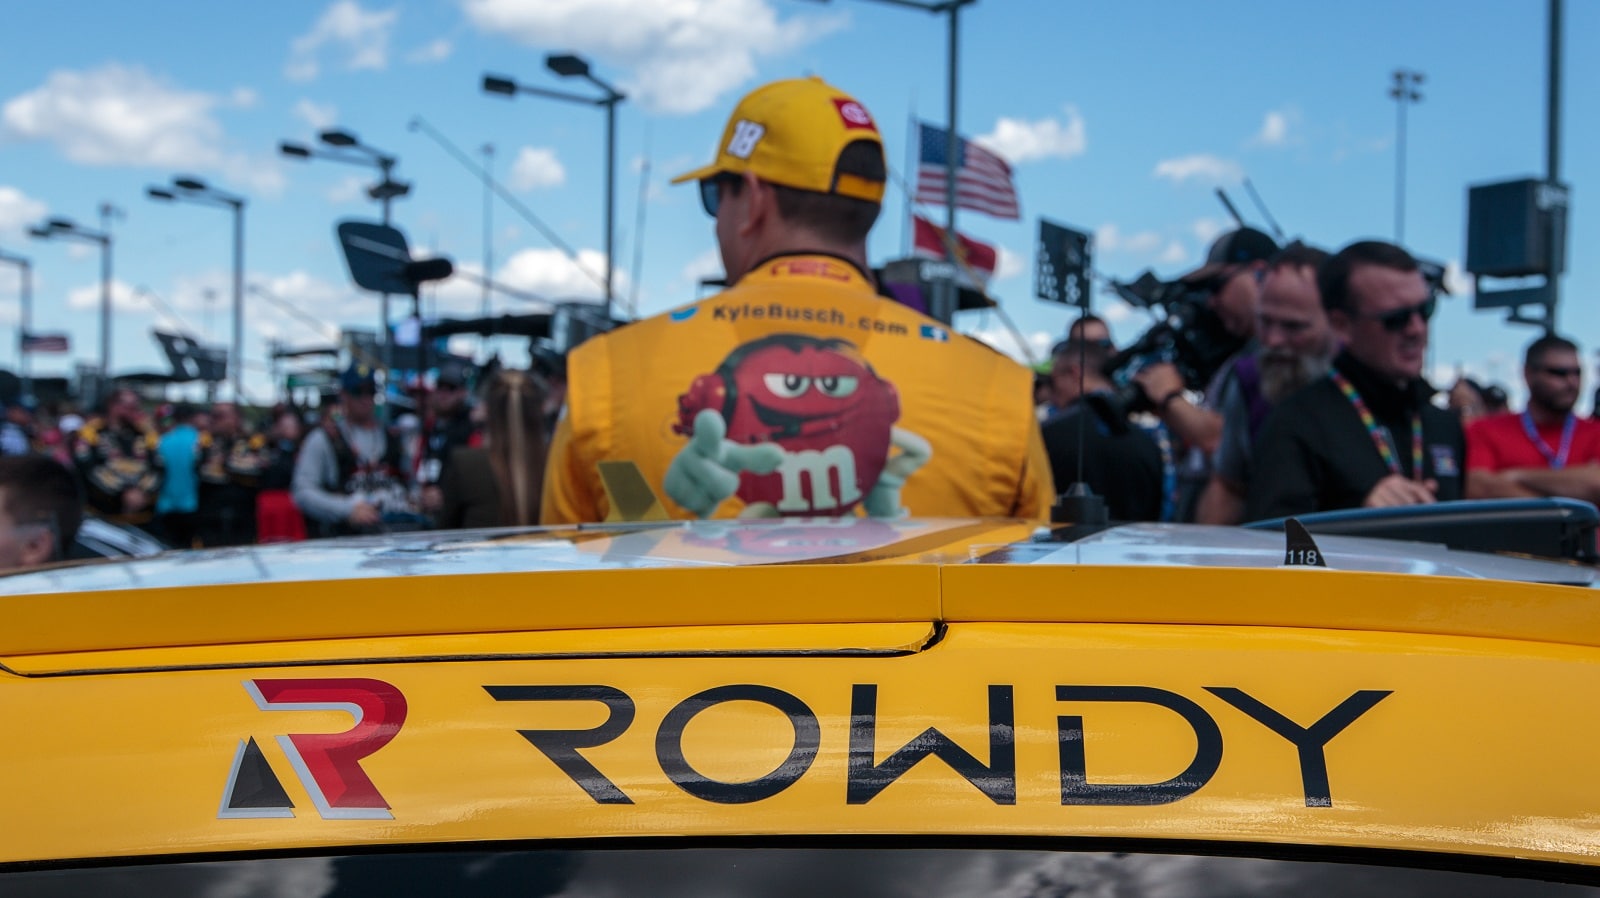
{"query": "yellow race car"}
pixel 853 707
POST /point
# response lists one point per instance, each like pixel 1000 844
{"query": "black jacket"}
pixel 1121 463
pixel 1315 454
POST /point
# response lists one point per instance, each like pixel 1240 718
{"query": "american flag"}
pixel 45 343
pixel 983 180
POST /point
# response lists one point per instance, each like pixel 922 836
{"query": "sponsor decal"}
pixel 935 333
pixel 746 135
pixel 822 416
pixel 326 764
pixel 874 767
pixel 683 314
pixel 853 114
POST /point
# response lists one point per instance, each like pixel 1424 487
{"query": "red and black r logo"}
pixel 325 763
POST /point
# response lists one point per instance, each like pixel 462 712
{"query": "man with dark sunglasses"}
pixel 1367 434
pixel 798 391
pixel 1547 450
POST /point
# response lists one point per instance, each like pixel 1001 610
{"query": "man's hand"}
pixel 1159 381
pixel 365 514
pixel 705 471
pixel 134 501
pixel 1395 490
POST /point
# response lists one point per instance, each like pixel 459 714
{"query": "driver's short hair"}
pixel 840 219
pixel 37 489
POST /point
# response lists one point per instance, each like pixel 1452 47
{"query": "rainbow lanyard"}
pixel 1379 436
pixel 1558 459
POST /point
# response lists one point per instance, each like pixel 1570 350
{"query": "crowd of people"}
pixel 803 390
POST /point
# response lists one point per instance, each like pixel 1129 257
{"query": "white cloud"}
pixel 117 115
pixel 1023 141
pixel 1277 128
pixel 18 212
pixel 124 298
pixel 1456 279
pixel 350 188
pixel 536 167
pixel 433 51
pixel 320 116
pixel 1010 264
pixel 1207 229
pixel 551 274
pixel 359 37
pixel 1174 254
pixel 706 265
pixel 1199 167
pixel 243 98
pixel 1116 311
pixel 682 55
pixel 1005 340
pixel 1108 238
pixel 125 116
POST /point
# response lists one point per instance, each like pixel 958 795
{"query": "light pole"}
pixel 568 65
pixel 190 189
pixel 945 292
pixel 1404 92
pixel 66 227
pixel 26 268
pixel 351 151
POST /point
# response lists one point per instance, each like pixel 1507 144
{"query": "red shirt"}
pixel 1499 443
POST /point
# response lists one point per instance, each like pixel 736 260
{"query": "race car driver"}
pixel 798 391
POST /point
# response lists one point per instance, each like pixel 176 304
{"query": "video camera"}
pixel 1189 335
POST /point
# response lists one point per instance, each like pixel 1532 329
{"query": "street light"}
pixel 194 190
pixel 66 227
pixel 568 65
pixel 945 290
pixel 385 191
pixel 1404 92
pixel 26 322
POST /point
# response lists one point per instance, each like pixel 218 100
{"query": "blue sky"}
pixel 1119 118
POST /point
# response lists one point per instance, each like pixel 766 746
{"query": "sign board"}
pixel 1064 263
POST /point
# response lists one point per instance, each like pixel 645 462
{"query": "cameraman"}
pixel 1229 281
pixel 1118 460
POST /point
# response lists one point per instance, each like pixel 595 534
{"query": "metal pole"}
pixel 27 325
pixel 1400 167
pixel 611 189
pixel 386 165
pixel 946 295
pixel 1557 238
pixel 488 224
pixel 238 300
pixel 105 307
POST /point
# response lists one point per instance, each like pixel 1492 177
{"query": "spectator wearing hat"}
pixel 1229 279
pixel 1368 434
pixel 116 454
pixel 798 390
pixel 349 472
pixel 1547 450
pixel 448 425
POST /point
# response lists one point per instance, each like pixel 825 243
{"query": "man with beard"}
pixel 1547 450
pixel 1367 434
pixel 1295 347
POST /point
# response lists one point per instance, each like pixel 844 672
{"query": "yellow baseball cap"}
pixel 791 133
